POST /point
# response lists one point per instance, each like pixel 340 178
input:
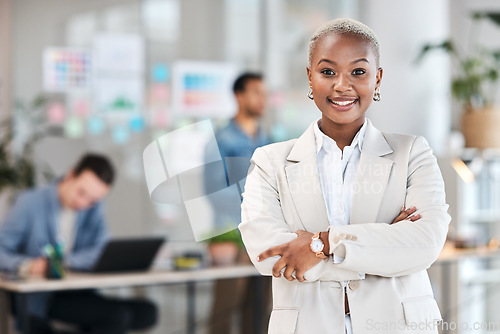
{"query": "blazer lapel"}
pixel 371 178
pixel 303 181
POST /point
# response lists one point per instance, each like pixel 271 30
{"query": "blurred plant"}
pixel 233 236
pixel 17 170
pixel 469 87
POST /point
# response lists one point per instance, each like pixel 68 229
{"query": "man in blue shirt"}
pixel 236 143
pixel 68 211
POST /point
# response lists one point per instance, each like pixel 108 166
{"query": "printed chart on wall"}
pixel 66 69
pixel 203 89
pixel 118 72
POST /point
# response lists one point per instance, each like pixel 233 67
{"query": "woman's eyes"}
pixel 358 71
pixel 328 72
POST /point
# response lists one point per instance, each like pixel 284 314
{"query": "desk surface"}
pixel 450 253
pixel 75 281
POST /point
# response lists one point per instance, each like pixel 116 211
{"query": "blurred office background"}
pixel 111 76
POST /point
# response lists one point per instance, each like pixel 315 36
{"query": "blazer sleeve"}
pixel 405 247
pixel 263 225
pixel 13 235
pixel 97 233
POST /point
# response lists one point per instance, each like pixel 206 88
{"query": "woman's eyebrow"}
pixel 327 61
pixel 334 63
pixel 360 60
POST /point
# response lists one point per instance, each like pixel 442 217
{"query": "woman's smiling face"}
pixel 343 75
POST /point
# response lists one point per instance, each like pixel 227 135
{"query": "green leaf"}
pixel 231 236
pixel 492 74
pixel 494 17
pixel 446 46
pixel 495 54
pixel 478 15
pixel 38 101
pixel 470 64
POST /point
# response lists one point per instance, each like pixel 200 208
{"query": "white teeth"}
pixel 343 103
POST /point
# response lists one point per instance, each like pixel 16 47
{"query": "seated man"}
pixel 68 211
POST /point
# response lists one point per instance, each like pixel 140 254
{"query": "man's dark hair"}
pixel 241 82
pixel 97 164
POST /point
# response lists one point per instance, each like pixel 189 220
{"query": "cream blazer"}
pixel 283 194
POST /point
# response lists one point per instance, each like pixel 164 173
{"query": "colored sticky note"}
pixel 182 122
pixel 96 125
pixel 81 108
pixel 159 93
pixel 120 135
pixel 277 100
pixel 279 133
pixel 160 73
pixel 56 113
pixel 73 128
pixel 161 118
pixel 137 124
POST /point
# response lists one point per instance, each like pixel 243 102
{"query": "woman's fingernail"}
pixel 258 259
pixel 403 208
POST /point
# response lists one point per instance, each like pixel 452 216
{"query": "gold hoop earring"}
pixel 376 95
pixel 310 93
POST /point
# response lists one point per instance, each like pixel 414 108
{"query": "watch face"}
pixel 317 245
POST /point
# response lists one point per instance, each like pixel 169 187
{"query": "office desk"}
pixel 450 255
pixel 76 281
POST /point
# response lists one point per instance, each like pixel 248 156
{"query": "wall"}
pixel 5 38
pixel 5 46
pixel 415 98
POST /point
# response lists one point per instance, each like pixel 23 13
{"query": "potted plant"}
pixel 475 87
pixel 224 248
pixel 17 170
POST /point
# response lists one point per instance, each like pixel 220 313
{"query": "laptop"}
pixel 128 255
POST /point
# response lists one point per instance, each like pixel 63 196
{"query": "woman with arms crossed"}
pixel 318 211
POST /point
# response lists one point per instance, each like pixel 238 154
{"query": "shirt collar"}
pixel 323 140
pixel 237 128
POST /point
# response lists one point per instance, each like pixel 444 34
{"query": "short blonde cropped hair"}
pixel 345 26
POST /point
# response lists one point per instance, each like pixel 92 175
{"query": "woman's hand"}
pixel 296 255
pixel 407 214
